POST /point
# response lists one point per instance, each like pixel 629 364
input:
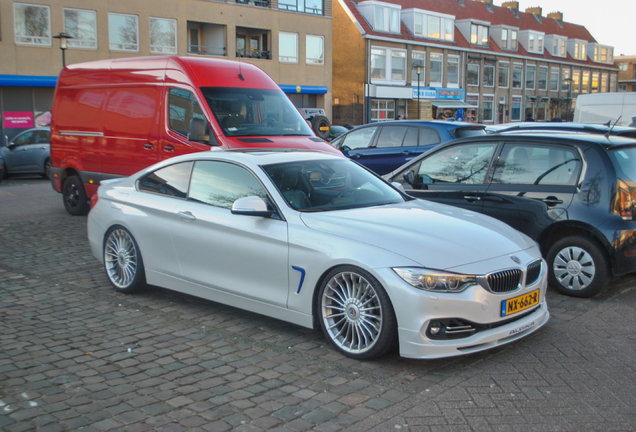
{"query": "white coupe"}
pixel 319 241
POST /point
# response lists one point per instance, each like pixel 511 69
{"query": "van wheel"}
pixel 47 169
pixel 578 267
pixel 320 125
pixel 74 195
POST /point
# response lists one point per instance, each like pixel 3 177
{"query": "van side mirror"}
pixel 200 132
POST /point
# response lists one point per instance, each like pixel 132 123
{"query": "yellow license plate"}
pixel 324 128
pixel 517 304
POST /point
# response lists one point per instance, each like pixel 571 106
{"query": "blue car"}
pixel 383 147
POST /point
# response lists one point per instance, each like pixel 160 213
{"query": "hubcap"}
pixel 352 312
pixel 72 195
pixel 120 257
pixel 574 268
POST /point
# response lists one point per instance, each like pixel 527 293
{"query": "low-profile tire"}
pixel 122 261
pixel 578 267
pixel 319 122
pixel 356 314
pixel 47 169
pixel 74 195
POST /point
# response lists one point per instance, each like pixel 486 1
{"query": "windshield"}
pixel 324 185
pixel 243 112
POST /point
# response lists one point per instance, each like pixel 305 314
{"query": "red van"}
pixel 112 118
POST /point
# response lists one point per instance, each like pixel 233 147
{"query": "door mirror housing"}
pixel 251 206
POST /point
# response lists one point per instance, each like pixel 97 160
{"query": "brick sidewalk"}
pixel 75 354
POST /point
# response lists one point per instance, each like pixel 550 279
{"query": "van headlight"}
pixel 435 280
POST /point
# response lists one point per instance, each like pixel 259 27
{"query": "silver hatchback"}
pixel 28 153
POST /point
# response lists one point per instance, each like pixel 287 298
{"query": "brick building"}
pixel 626 73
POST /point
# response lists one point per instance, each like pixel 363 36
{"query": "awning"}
pixel 303 89
pixel 453 104
pixel 27 81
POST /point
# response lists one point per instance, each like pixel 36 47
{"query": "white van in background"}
pixel 599 108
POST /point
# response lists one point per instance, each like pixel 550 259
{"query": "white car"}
pixel 317 240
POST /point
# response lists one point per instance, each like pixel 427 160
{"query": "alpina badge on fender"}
pixel 515 259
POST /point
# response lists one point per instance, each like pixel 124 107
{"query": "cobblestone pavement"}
pixel 74 355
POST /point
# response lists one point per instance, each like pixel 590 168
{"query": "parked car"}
pixel 573 193
pixel 317 240
pixel 562 127
pixel 29 152
pixel 384 146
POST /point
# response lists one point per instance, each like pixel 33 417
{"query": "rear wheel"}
pixel 122 261
pixel 356 314
pixel 578 267
pixel 74 195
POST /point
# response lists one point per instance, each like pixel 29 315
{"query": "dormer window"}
pixel 532 41
pixel 384 17
pixel 505 37
pixel 556 45
pixel 430 25
pixel 602 53
pixel 476 32
pixel 577 49
pixel 479 34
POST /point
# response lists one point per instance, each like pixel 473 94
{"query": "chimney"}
pixel 534 10
pixel 556 15
pixel 514 5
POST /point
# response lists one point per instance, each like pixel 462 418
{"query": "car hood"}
pixel 433 235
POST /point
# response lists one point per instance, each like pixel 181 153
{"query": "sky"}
pixel 610 22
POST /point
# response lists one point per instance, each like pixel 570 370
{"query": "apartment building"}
pixel 288 39
pixel 626 73
pixel 461 59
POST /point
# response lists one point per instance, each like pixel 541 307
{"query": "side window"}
pixel 171 180
pixel 220 184
pixel 360 138
pixel 42 137
pixel 429 136
pixel 538 165
pixel 391 136
pixel 410 140
pixel 466 163
pixel 24 139
pixel 183 106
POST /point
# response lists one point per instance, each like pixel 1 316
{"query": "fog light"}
pixel 435 328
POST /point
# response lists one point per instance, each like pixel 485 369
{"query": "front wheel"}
pixel 578 267
pixel 47 169
pixel 122 261
pixel 74 195
pixel 356 314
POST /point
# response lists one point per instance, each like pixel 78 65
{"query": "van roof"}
pixel 225 72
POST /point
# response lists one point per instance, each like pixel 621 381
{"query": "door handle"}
pixel 168 148
pixel 357 156
pixel 552 201
pixel 406 152
pixel 472 198
pixel 149 146
pixel 186 216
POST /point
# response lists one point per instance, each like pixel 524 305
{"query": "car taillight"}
pixel 94 200
pixel 625 202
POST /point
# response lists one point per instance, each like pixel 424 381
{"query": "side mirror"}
pixel 409 177
pixel 251 206
pixel 200 132
pixel 11 145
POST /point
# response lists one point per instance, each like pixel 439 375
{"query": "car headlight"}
pixel 435 280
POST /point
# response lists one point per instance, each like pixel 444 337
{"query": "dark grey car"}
pixel 28 153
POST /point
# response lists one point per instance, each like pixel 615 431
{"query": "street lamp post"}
pixel 63 37
pixel 418 70
pixel 567 113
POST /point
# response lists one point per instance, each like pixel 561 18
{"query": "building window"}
pixel 489 76
pixel 472 74
pixel 612 84
pixel 623 66
pixel 382 110
pixel 488 107
pixel 470 114
pixel 530 76
pixel 515 114
pixel 554 79
pixel 514 44
pixel 517 72
pixel 604 55
pixel 386 19
pixel 378 63
pixel 622 87
pixel 315 47
pixel 288 47
pixel 388 64
pixel 398 65
pixel 123 32
pixel 558 48
pixel 585 82
pixel 437 69
pixel 418 59
pixel 565 82
pixel 478 34
pixel 576 81
pixel 543 78
pixel 82 25
pixel 604 83
pixel 504 73
pixel 163 36
pixel 434 26
pixel 452 72
pixel 306 6
pixel 32 24
pixel 504 38
pixel 595 76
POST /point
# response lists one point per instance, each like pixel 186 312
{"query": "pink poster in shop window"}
pixel 18 119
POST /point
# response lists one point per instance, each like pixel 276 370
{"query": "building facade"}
pixel 288 39
pixel 461 59
pixel 626 73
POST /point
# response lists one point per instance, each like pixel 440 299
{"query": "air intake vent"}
pixel 504 281
pixel 533 273
pixel 254 140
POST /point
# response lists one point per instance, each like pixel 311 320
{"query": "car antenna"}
pixel 240 75
pixel 607 134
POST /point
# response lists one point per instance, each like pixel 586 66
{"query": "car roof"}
pixel 590 138
pixel 438 123
pixel 559 126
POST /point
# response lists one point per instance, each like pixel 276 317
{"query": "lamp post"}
pixel 567 113
pixel 63 37
pixel 418 70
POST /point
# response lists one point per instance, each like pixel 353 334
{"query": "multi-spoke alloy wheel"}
pixel 577 266
pixel 356 314
pixel 122 261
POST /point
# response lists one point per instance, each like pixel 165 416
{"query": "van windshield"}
pixel 243 112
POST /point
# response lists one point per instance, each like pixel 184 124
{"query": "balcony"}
pixel 206 39
pixel 260 3
pixel 254 53
pixel 253 43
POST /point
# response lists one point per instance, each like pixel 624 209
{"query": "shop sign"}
pixel 425 93
pixel 18 119
pixel 440 93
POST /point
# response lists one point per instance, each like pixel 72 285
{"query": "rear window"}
pixel 469 132
pixel 625 162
